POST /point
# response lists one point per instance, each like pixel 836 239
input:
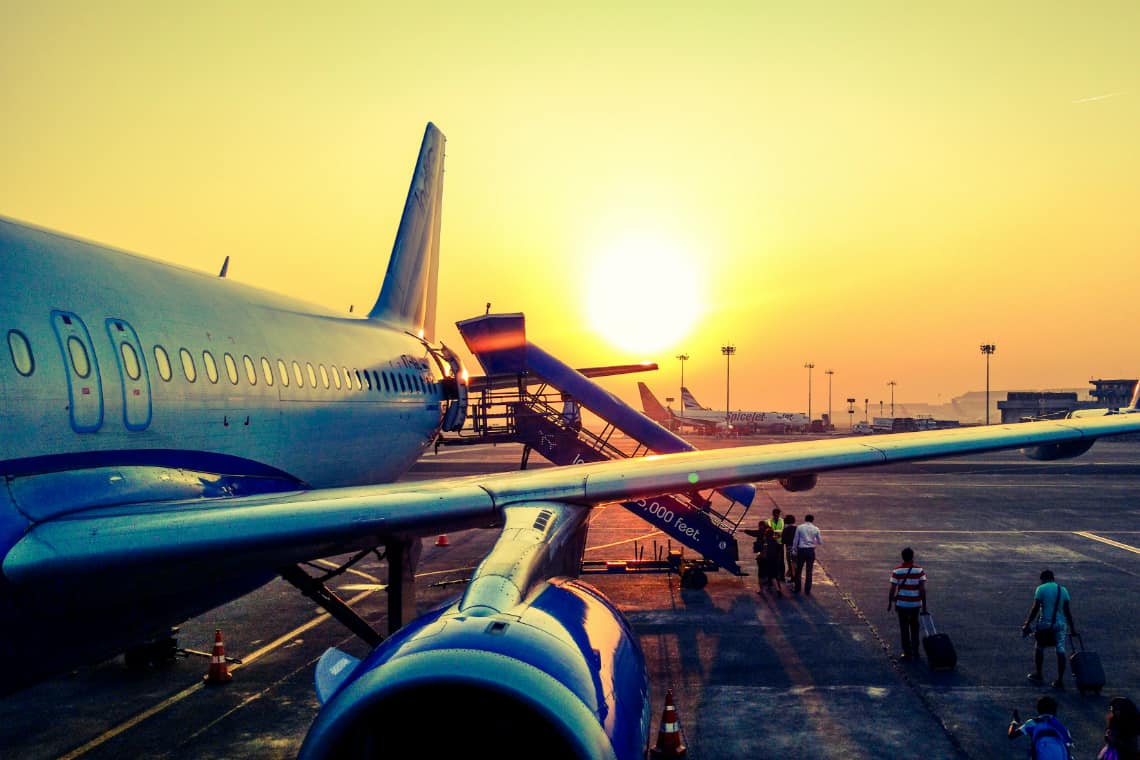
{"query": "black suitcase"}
pixel 1088 671
pixel 939 649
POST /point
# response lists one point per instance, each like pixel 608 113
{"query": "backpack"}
pixel 1048 744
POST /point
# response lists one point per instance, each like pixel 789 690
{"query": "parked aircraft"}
pixel 173 439
pixel 708 420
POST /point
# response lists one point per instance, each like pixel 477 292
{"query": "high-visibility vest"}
pixel 777 526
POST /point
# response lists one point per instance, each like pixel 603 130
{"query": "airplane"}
pixel 172 439
pixel 711 421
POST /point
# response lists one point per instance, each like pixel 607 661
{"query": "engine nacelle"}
pixel 799 482
pixel 561 676
pixel 1053 451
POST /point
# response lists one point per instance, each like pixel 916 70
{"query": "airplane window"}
pixel 324 376
pixel 188 365
pixel 400 377
pixel 359 384
pixel 210 365
pixel 250 370
pixel 387 388
pixel 347 379
pixel 78 352
pixel 367 380
pixel 162 361
pixel 336 376
pixel 419 383
pixel 267 371
pixel 231 368
pixel 297 375
pixel 21 352
pixel 376 380
pixel 312 374
pixel 283 373
pixel 130 361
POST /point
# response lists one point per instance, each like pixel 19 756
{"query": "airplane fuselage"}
pixel 124 379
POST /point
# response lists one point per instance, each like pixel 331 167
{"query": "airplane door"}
pixel 132 373
pixel 84 388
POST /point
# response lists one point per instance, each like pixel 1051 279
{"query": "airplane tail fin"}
pixel 407 297
pixel 689 401
pixel 651 406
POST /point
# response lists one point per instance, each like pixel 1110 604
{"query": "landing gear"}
pixel 155 653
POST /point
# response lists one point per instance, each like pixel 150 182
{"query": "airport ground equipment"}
pixel 531 397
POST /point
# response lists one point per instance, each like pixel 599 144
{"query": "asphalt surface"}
pixel 751 675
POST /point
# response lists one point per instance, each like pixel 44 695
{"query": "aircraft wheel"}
pixel 694 578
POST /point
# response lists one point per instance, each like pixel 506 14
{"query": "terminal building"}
pixel 1026 405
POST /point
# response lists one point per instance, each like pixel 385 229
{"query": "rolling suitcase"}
pixel 939 649
pixel 1088 671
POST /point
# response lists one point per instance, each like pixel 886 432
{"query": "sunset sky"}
pixel 875 188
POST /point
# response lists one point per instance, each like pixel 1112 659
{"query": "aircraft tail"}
pixel 408 295
pixel 689 402
pixel 652 407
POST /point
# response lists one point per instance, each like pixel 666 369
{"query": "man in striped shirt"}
pixel 908 595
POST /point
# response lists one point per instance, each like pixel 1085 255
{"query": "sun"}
pixel 644 293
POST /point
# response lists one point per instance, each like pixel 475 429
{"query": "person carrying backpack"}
pixel 1048 737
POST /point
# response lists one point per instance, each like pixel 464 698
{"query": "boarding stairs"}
pixel 524 398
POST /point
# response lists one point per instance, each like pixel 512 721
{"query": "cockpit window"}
pixel 21 352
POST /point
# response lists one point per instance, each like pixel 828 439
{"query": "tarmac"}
pixel 752 675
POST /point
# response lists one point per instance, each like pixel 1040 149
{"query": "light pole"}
pixel 988 349
pixel 809 366
pixel 851 413
pixel 682 358
pixel 728 350
pixel 892 383
pixel 829 373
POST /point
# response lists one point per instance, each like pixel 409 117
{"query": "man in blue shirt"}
pixel 1050 621
pixel 1048 737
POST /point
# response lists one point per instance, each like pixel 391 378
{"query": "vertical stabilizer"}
pixel 689 402
pixel 652 407
pixel 407 297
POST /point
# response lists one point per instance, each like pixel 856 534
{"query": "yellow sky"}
pixel 876 188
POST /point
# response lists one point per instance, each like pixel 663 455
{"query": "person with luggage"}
pixel 907 594
pixel 1048 737
pixel 786 538
pixel 1050 621
pixel 806 540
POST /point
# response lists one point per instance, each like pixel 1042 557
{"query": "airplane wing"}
pixel 266 531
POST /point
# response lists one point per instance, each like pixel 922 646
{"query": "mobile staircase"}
pixel 530 397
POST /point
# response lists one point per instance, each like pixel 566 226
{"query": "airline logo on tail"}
pixel 690 404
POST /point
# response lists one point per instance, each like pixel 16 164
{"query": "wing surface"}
pixel 267 531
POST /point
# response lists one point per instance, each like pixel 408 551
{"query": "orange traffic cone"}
pixel 219 671
pixel 442 540
pixel 669 737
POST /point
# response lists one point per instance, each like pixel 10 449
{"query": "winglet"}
pixel 407 297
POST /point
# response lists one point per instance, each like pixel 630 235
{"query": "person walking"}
pixel 1050 620
pixel 908 595
pixel 776 523
pixel 786 538
pixel 1048 737
pixel 774 559
pixel 805 542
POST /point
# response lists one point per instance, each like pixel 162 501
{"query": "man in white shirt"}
pixel 807 538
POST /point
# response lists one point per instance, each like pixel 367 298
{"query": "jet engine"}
pixel 804 482
pixel 560 676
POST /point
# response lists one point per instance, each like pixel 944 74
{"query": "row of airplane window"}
pixel 308 375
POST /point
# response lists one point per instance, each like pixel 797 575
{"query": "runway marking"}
pixel 624 541
pixel 106 736
pixel 1108 541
